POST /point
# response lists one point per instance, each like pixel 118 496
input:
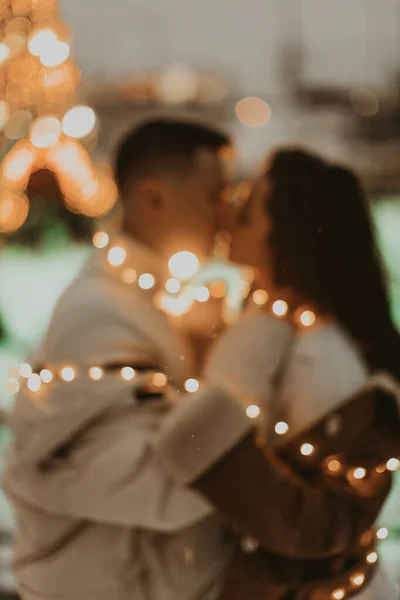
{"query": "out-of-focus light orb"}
pixel 127 373
pixel 334 466
pixel 253 411
pixel 253 111
pixel 358 579
pixel 67 374
pixel 338 594
pixel 79 122
pixel 129 275
pixel 4 52
pixel 96 373
pixel 307 449
pixel 359 473
pixel 16 42
pixel 18 164
pixel 201 294
pixel 116 256
pixel 45 132
pixel 280 308
pixel 173 285
pixel 42 41
pixel 218 289
pixel 101 239
pixel 55 55
pixel 183 265
pixel 281 428
pixel 364 101
pixel 17 125
pixel 159 380
pixel 46 376
pixel 260 297
pixel 146 281
pixel 4 113
pixel 12 386
pixel 307 318
pixel 34 383
pixel 192 385
pixel 382 533
pixel 372 558
pixel 25 370
pixel 14 209
pixel 393 464
pixel 177 84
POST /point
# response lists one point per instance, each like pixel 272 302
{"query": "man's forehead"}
pixel 216 165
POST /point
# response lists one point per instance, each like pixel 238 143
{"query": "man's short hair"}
pixel 160 145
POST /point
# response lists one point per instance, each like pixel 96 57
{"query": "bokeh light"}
pixel 253 111
pixel 79 121
pixel 14 209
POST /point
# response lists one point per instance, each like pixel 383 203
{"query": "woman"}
pixel 306 230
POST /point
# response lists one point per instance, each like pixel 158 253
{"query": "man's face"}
pixel 193 208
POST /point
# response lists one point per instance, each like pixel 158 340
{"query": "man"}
pixel 98 515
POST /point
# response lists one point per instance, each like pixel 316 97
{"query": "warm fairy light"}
pixel 334 466
pixel 173 285
pixel 55 55
pixel 4 52
pixel 116 256
pixel 34 383
pixel 129 275
pixel 338 594
pixel 382 533
pixel 380 469
pixel 372 558
pixel 358 579
pixel 46 376
pixel 177 84
pixel 280 308
pixel 4 113
pixel 67 374
pixel 45 132
pixel 96 373
pixel 281 428
pixel 393 464
pixel 359 473
pixel 127 373
pixel 146 281
pixel 42 41
pixel 191 385
pixel 25 370
pixel 17 125
pixel 101 239
pixel 253 111
pixel 183 265
pixel 13 386
pixel 217 289
pixel 201 294
pixel 307 318
pixel 253 411
pixel 14 209
pixel 18 163
pixel 260 297
pixel 307 449
pixel 160 380
pixel 79 121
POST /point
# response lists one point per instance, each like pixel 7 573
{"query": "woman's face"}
pixel 251 228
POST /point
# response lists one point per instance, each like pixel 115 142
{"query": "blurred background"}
pixel 318 73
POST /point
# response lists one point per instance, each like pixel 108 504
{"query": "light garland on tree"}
pixel 38 85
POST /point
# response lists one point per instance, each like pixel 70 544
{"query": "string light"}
pixel 192 385
pixel 260 297
pixel 201 294
pixel 116 256
pixel 338 594
pixel 382 533
pixel 25 370
pixel 13 386
pixel 253 411
pixel 45 132
pixel 46 376
pixel 160 380
pixel 280 308
pixel 173 285
pixel 129 275
pixel 359 473
pixel 281 428
pixel 146 281
pixel 67 373
pixel 79 122
pixel 393 464
pixel 101 239
pixel 372 558
pixel 307 449
pixel 96 373
pixel 127 373
pixel 334 466
pixel 358 579
pixel 183 265
pixel 307 318
pixel 34 383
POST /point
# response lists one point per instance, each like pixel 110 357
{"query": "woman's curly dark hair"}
pixel 323 246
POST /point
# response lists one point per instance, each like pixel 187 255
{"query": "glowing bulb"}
pixel 25 370
pixel 253 112
pixel 129 275
pixel 100 239
pixel 393 464
pixel 146 281
pixel 280 308
pixel 127 373
pixel 334 466
pixel 14 209
pixel 17 125
pixel 116 256
pixel 159 380
pixel 34 383
pixel 307 449
pixel 55 55
pixel 281 428
pixel 45 132
pixel 13 386
pixel 18 164
pixel 359 473
pixel 253 411
pixel 307 318
pixel 191 385
pixel 42 41
pixel 173 286
pixel 183 265
pixel 67 374
pixel 201 294
pixel 96 373
pixel 260 297
pixel 46 376
pixel 380 469
pixel 4 52
pixel 338 594
pixel 382 533
pixel 372 558
pixel 358 579
pixel 79 121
